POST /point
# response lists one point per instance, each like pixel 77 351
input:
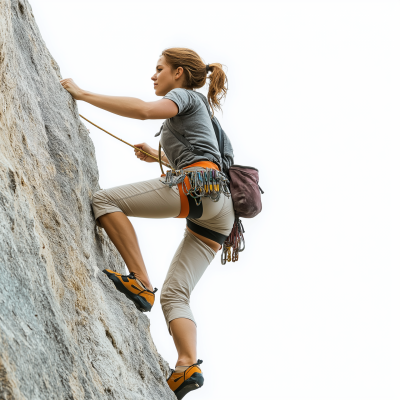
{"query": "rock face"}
pixel 65 332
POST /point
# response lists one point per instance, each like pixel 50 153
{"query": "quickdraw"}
pixel 203 183
pixel 234 244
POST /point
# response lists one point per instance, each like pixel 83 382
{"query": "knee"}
pixel 164 298
pixel 98 199
pixel 165 302
pixel 171 296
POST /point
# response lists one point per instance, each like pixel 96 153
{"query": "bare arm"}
pixel 126 106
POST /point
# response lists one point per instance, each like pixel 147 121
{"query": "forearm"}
pixel 125 106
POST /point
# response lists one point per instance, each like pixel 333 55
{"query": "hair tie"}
pixel 207 68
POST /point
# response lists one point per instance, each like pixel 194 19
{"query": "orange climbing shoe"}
pixel 183 383
pixel 129 285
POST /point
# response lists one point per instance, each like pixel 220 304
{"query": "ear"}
pixel 178 73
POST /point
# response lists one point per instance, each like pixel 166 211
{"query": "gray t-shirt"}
pixel 194 123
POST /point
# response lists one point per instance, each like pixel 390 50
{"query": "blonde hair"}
pixel 196 73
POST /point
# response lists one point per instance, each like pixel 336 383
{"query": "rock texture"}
pixel 65 332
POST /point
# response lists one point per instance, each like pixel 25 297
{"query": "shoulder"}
pixel 178 94
pixel 186 100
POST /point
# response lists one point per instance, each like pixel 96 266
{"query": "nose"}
pixel 153 78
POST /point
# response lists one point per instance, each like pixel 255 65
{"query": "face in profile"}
pixel 163 78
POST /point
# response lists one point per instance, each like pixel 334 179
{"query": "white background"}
pixel 311 310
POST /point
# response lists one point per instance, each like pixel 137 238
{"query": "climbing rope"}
pixel 123 141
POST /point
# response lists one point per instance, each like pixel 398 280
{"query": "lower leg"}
pixel 184 333
pixel 123 235
pixel 190 261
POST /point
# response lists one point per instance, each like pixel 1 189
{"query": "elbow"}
pixel 142 115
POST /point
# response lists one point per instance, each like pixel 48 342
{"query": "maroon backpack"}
pixel 245 191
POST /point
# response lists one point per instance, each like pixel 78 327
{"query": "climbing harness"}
pixel 198 184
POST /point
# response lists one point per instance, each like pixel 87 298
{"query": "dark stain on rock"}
pixel 12 183
pixel 21 7
pixel 111 339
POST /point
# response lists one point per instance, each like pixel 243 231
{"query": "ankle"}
pixel 185 362
pixel 143 281
pixel 181 368
pixel 147 285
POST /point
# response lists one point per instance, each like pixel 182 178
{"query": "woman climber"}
pixel 191 190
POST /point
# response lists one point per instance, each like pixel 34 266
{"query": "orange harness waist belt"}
pixel 184 198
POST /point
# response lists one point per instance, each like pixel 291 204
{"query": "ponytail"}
pixel 218 86
pixel 196 71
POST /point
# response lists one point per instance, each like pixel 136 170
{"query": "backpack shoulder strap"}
pixel 216 125
pixel 219 133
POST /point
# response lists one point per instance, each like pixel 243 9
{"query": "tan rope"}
pixel 136 148
pixel 159 157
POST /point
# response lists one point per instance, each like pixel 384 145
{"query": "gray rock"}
pixel 65 332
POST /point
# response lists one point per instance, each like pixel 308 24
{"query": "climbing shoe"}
pixel 190 379
pixel 133 289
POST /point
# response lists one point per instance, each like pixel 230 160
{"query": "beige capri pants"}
pixel 153 199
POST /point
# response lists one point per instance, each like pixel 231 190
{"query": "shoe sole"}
pixel 194 382
pixel 140 303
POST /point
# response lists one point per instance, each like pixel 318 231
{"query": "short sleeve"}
pixel 181 98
